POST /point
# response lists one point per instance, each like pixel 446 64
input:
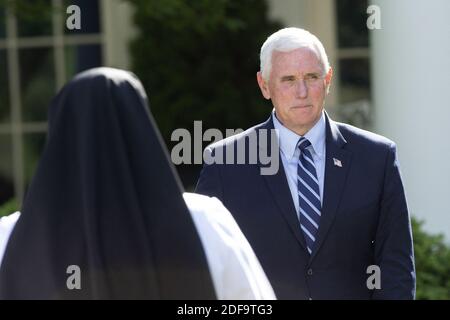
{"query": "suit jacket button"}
pixel 310 272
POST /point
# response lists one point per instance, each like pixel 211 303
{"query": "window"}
pixel 2 23
pixel 38 54
pixel 4 88
pixel 353 62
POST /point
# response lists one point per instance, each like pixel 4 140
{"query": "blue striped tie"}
pixel 308 194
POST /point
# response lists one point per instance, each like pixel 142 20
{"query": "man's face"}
pixel 297 87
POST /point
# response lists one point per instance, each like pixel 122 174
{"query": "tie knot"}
pixel 303 143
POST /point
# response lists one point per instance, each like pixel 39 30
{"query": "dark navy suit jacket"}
pixel 364 220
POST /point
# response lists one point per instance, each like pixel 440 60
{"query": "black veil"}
pixel 105 198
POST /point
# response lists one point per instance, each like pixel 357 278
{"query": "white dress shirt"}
pixel 290 153
pixel 7 224
pixel 235 271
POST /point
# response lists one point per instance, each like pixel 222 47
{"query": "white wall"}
pixel 411 85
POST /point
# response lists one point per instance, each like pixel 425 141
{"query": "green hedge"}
pixel 198 61
pixel 9 207
pixel 432 257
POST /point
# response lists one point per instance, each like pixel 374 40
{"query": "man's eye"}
pixel 312 77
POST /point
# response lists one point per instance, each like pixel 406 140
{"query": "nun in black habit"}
pixel 104 201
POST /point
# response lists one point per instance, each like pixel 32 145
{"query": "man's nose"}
pixel 302 89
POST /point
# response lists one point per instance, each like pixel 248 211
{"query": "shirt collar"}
pixel 289 139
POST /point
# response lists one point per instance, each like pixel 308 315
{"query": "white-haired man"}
pixel 333 222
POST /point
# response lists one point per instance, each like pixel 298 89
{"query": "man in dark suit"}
pixel 332 222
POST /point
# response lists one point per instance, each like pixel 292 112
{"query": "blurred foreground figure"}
pixel 105 218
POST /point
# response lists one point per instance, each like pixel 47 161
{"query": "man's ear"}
pixel 328 78
pixel 263 85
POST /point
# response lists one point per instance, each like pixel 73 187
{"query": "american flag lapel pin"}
pixel 337 162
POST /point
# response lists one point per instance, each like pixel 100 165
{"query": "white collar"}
pixel 289 139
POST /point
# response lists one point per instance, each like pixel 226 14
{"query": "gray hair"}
pixel 289 39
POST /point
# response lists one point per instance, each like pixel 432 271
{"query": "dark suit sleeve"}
pixel 393 243
pixel 210 182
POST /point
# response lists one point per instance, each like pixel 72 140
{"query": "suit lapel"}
pixel 337 164
pixel 279 188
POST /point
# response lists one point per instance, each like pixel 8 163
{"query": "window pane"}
pixel 354 80
pixel 4 88
pixel 34 18
pixel 80 58
pixel 6 169
pixel 37 82
pixel 2 21
pixel 90 17
pixel 33 146
pixel 352 27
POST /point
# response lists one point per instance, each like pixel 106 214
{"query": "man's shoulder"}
pixel 359 137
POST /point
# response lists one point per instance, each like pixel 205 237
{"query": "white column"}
pixel 291 13
pixel 118 30
pixel 411 85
